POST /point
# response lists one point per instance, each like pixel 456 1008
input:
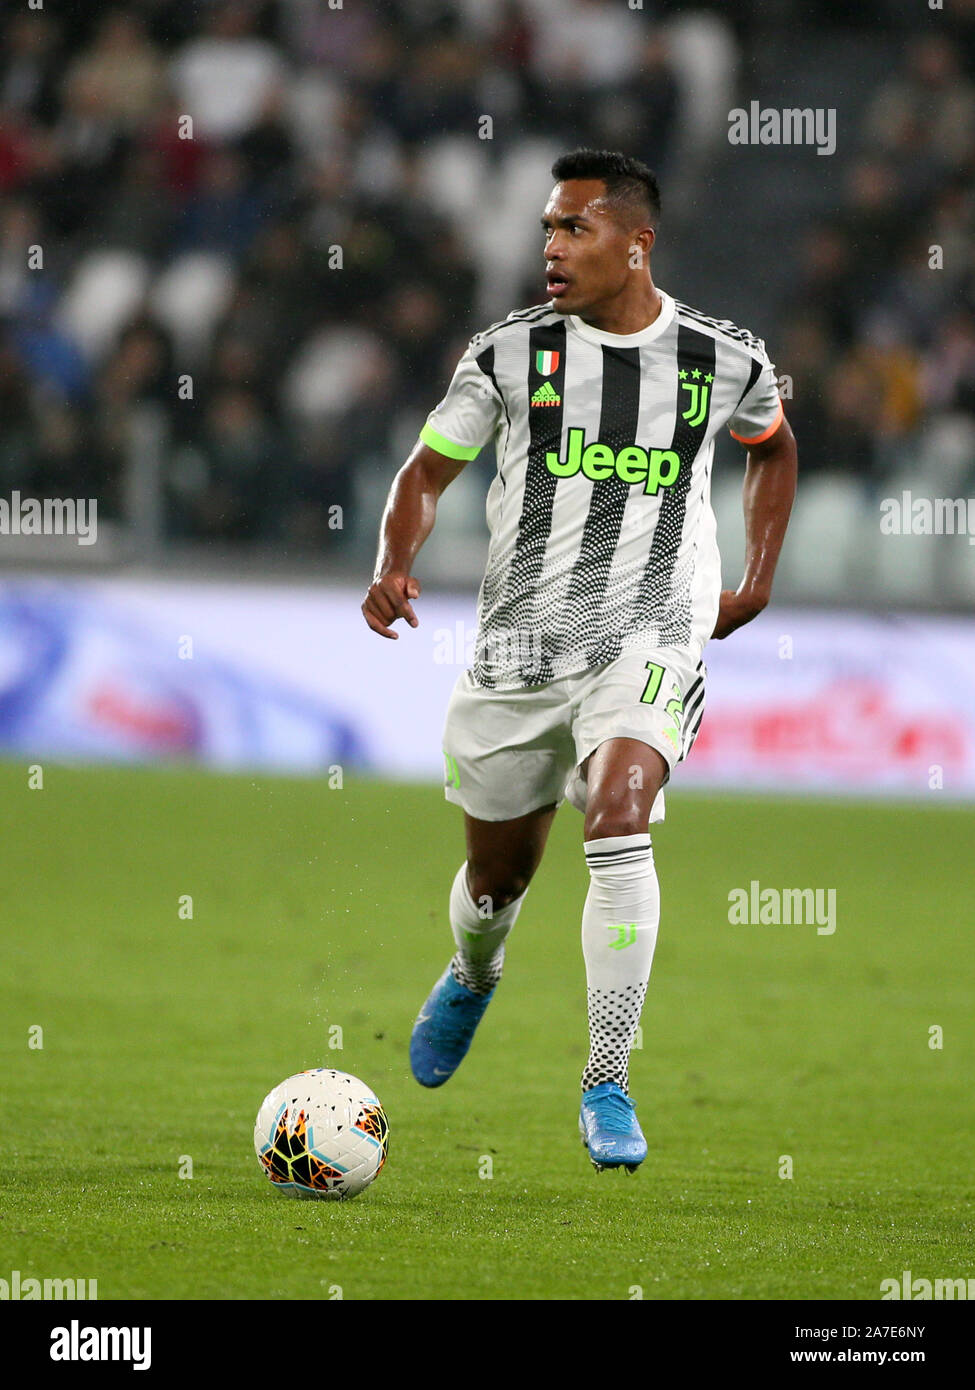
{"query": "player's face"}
pixel 586 248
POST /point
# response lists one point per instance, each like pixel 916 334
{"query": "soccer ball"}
pixel 321 1133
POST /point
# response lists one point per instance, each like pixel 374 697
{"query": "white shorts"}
pixel 508 752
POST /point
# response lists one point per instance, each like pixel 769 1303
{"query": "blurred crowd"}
pixel 261 304
pixel 879 334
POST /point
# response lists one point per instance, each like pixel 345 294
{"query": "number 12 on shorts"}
pixel 674 707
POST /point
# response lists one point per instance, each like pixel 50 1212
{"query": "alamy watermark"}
pixel 908 515
pixel 50 516
pixel 919 1290
pixel 23 1288
pixel 78 1343
pixel 793 125
pixel 458 646
pixel 756 906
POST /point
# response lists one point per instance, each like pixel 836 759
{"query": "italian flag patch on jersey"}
pixel 546 363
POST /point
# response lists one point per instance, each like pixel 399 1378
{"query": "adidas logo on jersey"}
pixel 546 395
pixel 655 468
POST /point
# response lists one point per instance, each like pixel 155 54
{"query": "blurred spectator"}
pixel 638 114
pixel 29 70
pixel 949 374
pixel 227 484
pixel 277 300
pixel 222 214
pixel 826 279
pixel 590 44
pixel 436 91
pixel 226 78
pixel 873 217
pixel 20 229
pixel 414 325
pixel 932 103
pixel 343 39
pixel 17 435
pixel 139 369
pixel 64 463
pixel 122 74
pixel 807 347
pixel 139 217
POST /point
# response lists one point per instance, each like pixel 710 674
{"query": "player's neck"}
pixel 629 312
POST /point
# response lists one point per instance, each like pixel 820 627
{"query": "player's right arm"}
pixel 455 433
pixel 411 510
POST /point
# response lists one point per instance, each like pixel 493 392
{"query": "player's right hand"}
pixel 387 599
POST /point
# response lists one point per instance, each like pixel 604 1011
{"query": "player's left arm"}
pixel 769 491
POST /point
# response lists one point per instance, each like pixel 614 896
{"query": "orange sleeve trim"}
pixel 758 438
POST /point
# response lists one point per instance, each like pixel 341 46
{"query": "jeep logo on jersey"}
pixel 655 468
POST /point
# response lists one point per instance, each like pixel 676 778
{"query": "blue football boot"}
pixel 610 1129
pixel 444 1030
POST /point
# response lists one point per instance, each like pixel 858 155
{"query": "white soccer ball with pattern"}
pixel 321 1133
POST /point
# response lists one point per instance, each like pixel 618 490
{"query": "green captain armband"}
pixel 437 441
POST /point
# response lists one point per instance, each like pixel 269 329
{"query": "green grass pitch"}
pixel 315 907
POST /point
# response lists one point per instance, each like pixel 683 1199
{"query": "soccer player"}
pixel 602 588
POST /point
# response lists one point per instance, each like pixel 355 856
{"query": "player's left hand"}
pixel 737 608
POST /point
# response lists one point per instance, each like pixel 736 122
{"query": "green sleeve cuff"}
pixel 447 446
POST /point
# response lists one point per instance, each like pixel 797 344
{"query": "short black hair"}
pixel 631 187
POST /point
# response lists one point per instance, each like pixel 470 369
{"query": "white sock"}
pixel 479 958
pixel 619 933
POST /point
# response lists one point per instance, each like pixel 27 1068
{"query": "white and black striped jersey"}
pixel 602 534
